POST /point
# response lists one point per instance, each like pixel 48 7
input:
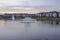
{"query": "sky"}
pixel 29 2
pixel 36 5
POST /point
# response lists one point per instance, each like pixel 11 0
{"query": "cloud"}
pixel 29 2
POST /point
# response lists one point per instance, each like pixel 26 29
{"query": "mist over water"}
pixel 29 30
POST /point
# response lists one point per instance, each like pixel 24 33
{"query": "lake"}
pixel 35 30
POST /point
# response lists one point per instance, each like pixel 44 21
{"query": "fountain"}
pixel 27 20
pixel 13 18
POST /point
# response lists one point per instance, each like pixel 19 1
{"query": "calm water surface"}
pixel 37 30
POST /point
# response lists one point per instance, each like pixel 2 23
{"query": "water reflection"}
pixel 52 22
pixel 39 30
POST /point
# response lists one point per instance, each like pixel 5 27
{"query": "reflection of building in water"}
pixel 52 22
pixel 56 22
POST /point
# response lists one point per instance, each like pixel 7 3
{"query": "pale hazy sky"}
pixel 41 5
pixel 29 2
